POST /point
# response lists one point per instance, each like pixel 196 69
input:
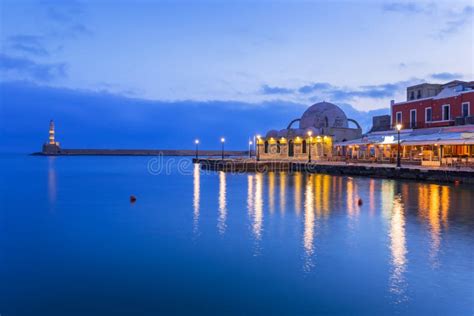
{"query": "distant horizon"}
pixel 81 128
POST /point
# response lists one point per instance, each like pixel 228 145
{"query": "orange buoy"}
pixel 133 199
pixel 359 202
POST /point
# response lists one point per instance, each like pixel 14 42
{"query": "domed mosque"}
pixel 320 126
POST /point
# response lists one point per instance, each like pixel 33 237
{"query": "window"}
pixel 428 115
pixel 412 95
pixel 304 146
pixel 278 147
pixel 412 118
pixel 266 147
pixel 465 109
pixel 418 96
pixel 446 112
pixel 398 118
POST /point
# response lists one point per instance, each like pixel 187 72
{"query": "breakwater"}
pixel 140 152
pixel 418 173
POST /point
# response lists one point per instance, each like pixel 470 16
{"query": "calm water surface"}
pixel 218 243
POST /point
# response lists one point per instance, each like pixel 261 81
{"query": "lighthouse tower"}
pixel 51 133
pixel 52 146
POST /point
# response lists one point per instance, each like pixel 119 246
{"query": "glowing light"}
pixel 310 133
pixel 222 140
pixel 399 126
pixel 196 141
pixel 250 142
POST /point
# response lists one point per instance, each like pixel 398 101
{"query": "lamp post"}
pixel 197 148
pixel 309 150
pixel 399 127
pixel 250 148
pixel 258 148
pixel 222 152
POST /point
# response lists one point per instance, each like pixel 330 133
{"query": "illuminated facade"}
pixel 437 129
pixel 320 126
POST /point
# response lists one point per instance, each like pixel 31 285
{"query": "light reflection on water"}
pixel 196 196
pixel 398 249
pixel 322 195
pixel 308 236
pixel 221 220
pixel 52 185
pixel 208 238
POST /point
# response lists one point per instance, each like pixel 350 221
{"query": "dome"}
pixel 323 114
pixel 272 133
pixel 299 132
pixel 283 133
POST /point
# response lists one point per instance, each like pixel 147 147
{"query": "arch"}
pixel 291 148
pixel 303 144
pixel 278 147
pixel 265 149
pixel 292 122
pixel 355 122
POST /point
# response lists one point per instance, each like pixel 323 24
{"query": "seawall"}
pixel 141 152
pixel 370 170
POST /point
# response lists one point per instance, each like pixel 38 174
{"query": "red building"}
pixel 435 105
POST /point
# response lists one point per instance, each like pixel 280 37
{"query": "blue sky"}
pixel 360 53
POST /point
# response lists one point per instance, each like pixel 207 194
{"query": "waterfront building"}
pixel 319 127
pixel 52 146
pixel 435 105
pixel 437 128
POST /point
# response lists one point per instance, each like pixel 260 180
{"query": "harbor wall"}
pixel 139 152
pixel 407 173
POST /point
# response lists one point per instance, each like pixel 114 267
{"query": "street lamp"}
pixel 399 127
pixel 258 147
pixel 197 148
pixel 250 148
pixel 222 141
pixel 310 140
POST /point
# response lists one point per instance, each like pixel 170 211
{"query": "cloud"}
pixel 457 21
pixel 27 68
pixel 29 44
pixel 407 7
pixel 69 16
pixel 63 11
pixel 370 91
pixel 454 20
pixel 314 87
pixel 267 90
pixel 317 91
pixel 446 76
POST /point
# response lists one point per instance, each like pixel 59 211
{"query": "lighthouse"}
pixel 52 146
pixel 51 133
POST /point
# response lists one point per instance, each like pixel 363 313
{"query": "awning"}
pixel 418 142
